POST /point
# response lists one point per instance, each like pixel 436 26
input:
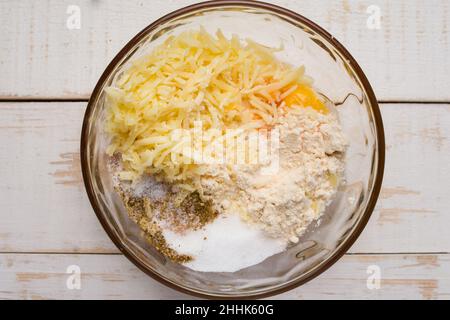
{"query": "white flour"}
pixel 286 201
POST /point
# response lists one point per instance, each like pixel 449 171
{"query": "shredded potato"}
pixel 195 78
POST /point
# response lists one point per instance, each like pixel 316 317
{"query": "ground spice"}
pixel 191 213
pixel 197 211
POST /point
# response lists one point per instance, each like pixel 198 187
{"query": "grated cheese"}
pixel 196 78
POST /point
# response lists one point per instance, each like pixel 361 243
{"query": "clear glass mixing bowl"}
pixel 336 75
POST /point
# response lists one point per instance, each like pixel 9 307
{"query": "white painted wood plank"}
pixel 412 211
pixel 45 208
pixel 407 59
pixel 43 203
pixel 43 276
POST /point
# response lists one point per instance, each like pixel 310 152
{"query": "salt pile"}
pixel 228 244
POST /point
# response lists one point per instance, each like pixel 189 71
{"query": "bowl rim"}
pixel 344 246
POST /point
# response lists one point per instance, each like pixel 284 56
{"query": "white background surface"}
pixel 47 74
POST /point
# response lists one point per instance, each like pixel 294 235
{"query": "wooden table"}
pixel 47 74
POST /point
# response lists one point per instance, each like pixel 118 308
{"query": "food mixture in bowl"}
pixel 222 154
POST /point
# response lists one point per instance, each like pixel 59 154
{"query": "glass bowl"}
pixel 337 77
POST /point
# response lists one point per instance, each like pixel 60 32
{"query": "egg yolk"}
pixel 305 96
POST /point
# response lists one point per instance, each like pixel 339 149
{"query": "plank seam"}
pixel 120 254
pixel 51 100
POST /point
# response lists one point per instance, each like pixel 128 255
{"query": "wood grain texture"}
pixel 408 59
pixel 44 276
pixel 47 222
pixel 411 213
pixel 43 201
pixel 45 208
